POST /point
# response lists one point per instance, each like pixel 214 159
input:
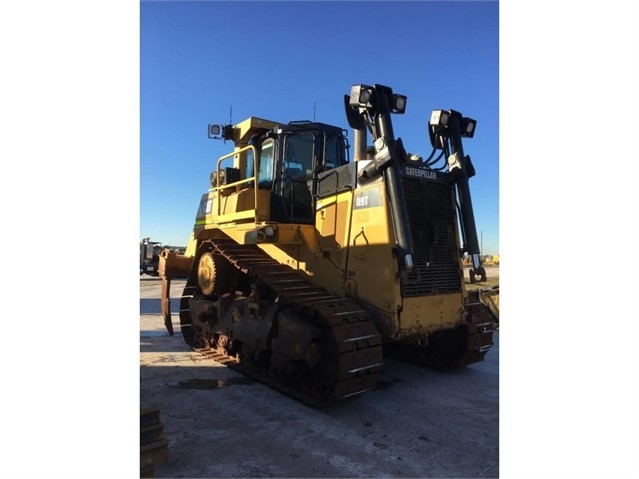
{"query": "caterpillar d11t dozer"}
pixel 304 266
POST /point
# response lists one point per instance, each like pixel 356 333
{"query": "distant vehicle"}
pixel 490 260
pixel 149 256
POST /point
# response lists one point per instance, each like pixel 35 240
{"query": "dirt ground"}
pixel 416 423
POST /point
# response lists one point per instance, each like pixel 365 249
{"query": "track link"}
pixel 347 326
pixel 453 348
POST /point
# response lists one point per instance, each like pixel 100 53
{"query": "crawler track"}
pixel 452 348
pixel 347 330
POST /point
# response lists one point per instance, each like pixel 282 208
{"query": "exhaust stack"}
pixel 359 143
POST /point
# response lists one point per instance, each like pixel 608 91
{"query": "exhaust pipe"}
pixel 359 144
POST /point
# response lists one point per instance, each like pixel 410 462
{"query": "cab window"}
pixel 249 164
pixel 298 156
pixel 333 152
pixel 265 172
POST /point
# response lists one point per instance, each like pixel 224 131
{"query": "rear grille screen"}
pixel 431 213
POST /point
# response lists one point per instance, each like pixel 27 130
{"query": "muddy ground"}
pixel 416 423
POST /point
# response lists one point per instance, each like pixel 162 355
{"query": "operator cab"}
pixel 290 158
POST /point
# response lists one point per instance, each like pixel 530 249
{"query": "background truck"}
pixel 149 256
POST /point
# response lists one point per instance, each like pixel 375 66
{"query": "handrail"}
pixel 219 188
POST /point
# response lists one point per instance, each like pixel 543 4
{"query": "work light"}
pixel 467 127
pixel 440 118
pixel 399 104
pixel 214 131
pixel 361 96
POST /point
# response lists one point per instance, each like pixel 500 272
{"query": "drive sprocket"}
pixel 208 273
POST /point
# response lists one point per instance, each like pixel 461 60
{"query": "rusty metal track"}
pixel 358 343
pixel 454 348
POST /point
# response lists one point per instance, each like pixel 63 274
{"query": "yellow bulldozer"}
pixel 304 267
pixel 490 260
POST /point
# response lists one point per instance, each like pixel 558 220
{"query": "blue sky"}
pixel 282 60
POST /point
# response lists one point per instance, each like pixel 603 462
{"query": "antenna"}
pixel 314 106
pixel 231 114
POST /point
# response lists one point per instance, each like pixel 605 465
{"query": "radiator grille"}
pixel 431 213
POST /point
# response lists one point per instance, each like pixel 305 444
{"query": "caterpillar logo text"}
pixel 421 173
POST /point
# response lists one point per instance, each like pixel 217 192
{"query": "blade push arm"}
pixel 446 129
pixel 371 106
